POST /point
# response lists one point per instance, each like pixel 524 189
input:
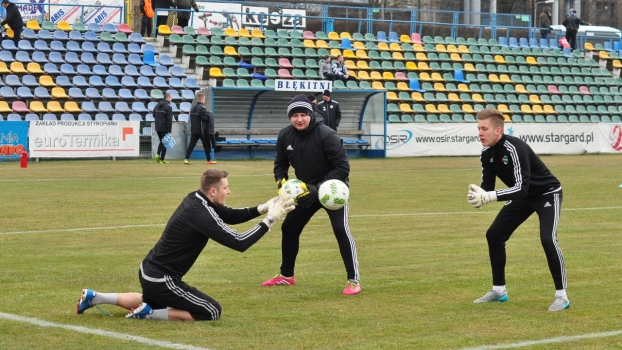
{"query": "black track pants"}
pixel 207 145
pixel 161 149
pixel 513 214
pixel 295 222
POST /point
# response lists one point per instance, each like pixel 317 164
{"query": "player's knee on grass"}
pixel 207 315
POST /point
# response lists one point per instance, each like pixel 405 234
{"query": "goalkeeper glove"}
pixel 279 184
pixel 263 208
pixel 278 209
pixel 477 197
pixel 309 197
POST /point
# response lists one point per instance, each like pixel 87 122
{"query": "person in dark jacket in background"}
pixel 572 23
pixel 545 22
pixel 330 110
pixel 162 4
pixel 201 123
pixel 163 115
pixel 319 118
pixel 316 153
pixel 184 17
pixel 13 19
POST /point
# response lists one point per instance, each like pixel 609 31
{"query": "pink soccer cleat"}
pixel 352 288
pixel 279 280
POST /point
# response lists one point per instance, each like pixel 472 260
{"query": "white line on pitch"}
pixel 474 212
pixel 563 339
pixel 95 331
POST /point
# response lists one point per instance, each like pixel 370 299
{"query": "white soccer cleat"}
pixel 559 304
pixel 492 296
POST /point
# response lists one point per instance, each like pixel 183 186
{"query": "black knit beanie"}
pixel 299 104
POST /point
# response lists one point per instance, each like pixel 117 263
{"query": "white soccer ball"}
pixel 333 194
pixel 293 188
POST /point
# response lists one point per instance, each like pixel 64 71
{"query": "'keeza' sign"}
pixel 273 18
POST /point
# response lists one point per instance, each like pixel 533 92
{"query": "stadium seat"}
pixel 42 93
pixel 19 107
pixel 23 92
pixel 149 58
pixel 104 48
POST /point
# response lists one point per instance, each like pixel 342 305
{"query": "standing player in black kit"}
pixel 316 153
pixel 531 188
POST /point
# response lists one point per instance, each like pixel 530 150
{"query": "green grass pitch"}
pixel 422 254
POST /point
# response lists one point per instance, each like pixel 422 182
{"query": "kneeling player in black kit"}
pixel 200 216
pixel 531 188
pixel 316 153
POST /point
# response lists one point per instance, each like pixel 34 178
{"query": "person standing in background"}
pixel 163 114
pixel 545 22
pixel 572 23
pixel 330 111
pixel 184 17
pixel 201 123
pixel 13 19
pixel 146 9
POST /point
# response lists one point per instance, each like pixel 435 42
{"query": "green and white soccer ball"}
pixel 293 188
pixel 333 194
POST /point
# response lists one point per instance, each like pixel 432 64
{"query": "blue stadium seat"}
pixel 175 83
pixel 103 58
pixel 393 37
pixel 139 107
pixel 39 57
pixel 125 94
pixel 166 60
pixel 56 57
pixel 144 82
pixel 414 85
pixel 67 69
pixel 119 58
pixel 50 69
pixel 104 48
pixel 76 93
pixel 66 116
pixel 523 43
pixel 533 43
pixel 60 35
pixel 83 69
pixel 151 106
pixel 75 36
pixel 105 107
pixel 135 117
pixel 80 82
pixel 113 82
pixel 119 48
pixel 191 83
pixel 93 94
pixel 122 107
pixel 42 46
pixel 22 56
pixel 119 117
pixel 29 34
pixel 162 71
pixel 24 93
pixel 149 118
pixel 147 71
pixel 136 38
pixel 49 117
pixel 94 27
pixel 346 44
pixel 512 42
pixel 45 35
pixel 63 81
pixel 12 80
pixel 141 94
pixel 13 117
pixel 130 70
pixel 101 116
pixel 91 36
pixel 7 93
pixel 184 107
pixel 24 45
pixel 503 42
pixel 109 94
pixel 554 45
pixel 149 58
pixel 89 107
pixel 84 116
pixel 115 70
pixel 57 46
pixel 566 51
pixel 183 118
pixel 544 44
pixel 88 46
pixel 42 93
pixel 187 95
pixel 31 116
pixel 6 56
pixel 110 28
pixel 459 76
pixel 150 47
pixel 128 82
pixel 100 70
pixel 96 82
pixel 30 81
pixel 134 48
pixel 381 36
pixel 160 83
pixel 174 94
pixel 174 106
pixel 135 59
pixel 73 46
pixel 178 72
pixel 9 45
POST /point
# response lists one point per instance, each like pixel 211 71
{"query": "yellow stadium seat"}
pixel 589 47
pixel 309 44
pixel 8 31
pixel 452 49
pixel 423 66
pixel 375 75
pixel 349 64
pixel 215 72
pixel 420 56
pixel 396 47
pixel 430 108
pixel 478 98
pixel 503 108
pixel 362 55
pixel 335 52
pixel 440 87
pixel 333 36
pixel 500 59
pixel 423 76
pixel 437 77
pixel 463 49
pixel 405 39
pixel 493 78
pixel 37 107
pixel 362 65
pixel 59 92
pixel 244 33
pixel 353 74
pixel 391 96
pixel 535 99
pixel 388 76
pixel 411 66
pixel 505 79
pixel 349 54
pixel 4 107
pixel 520 88
pixel 34 68
pixel 321 44
pixel 603 55
pixel 419 48
pixel 231 32
pixel 405 108
pixel 526 109
pixel 46 80
pixel 33 25
pixel 64 26
pixel 345 35
pixel 359 46
pixel 456 57
pixel 463 88
pixel 617 64
pixel 441 48
pixel 398 56
pixel 164 30
pixel 468 109
pixel 376 85
pixel 417 97
pixel 442 108
pixel 363 75
pixel 469 67
pixel 507 118
pixel 537 109
pixel 256 33
pixel 55 107
pixel 383 47
pixel 18 67
pixel 531 60
pixel 453 97
pixel 402 86
pixel 230 51
pixel 72 107
pixel 548 109
pixel 4 69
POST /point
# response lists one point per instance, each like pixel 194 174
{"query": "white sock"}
pixel 160 314
pixel 105 298
pixel 561 293
pixel 499 289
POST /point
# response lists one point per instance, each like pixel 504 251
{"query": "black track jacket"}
pixel 516 164
pixel 13 17
pixel 195 221
pixel 316 154
pixel 163 114
pixel 331 112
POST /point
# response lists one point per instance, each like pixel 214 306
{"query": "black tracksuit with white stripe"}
pixel 195 221
pixel 531 188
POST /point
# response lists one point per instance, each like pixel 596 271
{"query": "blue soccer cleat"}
pixel 140 312
pixel 492 296
pixel 85 301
